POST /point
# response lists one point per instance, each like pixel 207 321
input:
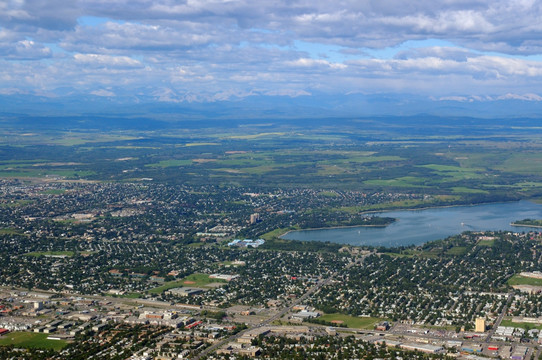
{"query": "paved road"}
pixel 499 319
pixel 281 313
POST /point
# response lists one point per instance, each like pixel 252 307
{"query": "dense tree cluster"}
pixel 446 282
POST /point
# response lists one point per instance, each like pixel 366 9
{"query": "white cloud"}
pixel 288 92
pixel 24 50
pixel 103 92
pixel 455 98
pixel 212 49
pixel 526 97
pixel 307 62
pixel 107 60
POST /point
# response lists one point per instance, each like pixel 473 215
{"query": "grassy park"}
pixel 31 340
pixel 367 323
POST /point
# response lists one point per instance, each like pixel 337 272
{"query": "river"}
pixel 414 227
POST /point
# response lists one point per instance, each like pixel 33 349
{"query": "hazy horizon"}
pixel 348 58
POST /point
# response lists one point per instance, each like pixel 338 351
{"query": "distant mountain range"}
pixel 271 107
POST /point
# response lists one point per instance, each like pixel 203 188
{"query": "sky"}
pixel 211 50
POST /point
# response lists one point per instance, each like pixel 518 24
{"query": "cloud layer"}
pixel 206 50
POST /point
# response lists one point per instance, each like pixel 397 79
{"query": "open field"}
pixel 50 253
pixel 526 326
pixel 524 163
pixel 522 280
pixel 54 191
pixel 194 280
pixel 276 233
pixel 10 231
pixel 449 161
pixel 367 323
pixel 170 163
pixel 434 253
pixel 457 251
pixel 488 243
pixel 31 340
pixel 37 173
pixel 200 280
pixel 15 203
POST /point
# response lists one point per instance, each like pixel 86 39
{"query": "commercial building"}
pixel 306 315
pixel 226 277
pixel 426 348
pixel 185 291
pixel 480 325
pixel 472 348
pixel 254 218
pixel 383 326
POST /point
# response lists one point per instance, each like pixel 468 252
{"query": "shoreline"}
pixel 396 220
pixel 525 225
pixel 439 207
pixel 334 227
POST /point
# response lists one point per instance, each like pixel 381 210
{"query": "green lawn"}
pixel 457 250
pixel 488 243
pixel 194 280
pixel 522 280
pixel 526 326
pixel 54 191
pixel 15 203
pixel 367 323
pixel 50 253
pixel 31 340
pixel 10 231
pixel 199 280
pixel 276 233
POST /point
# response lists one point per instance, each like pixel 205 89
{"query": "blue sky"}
pixel 209 50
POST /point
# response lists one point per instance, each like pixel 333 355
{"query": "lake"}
pixel 419 226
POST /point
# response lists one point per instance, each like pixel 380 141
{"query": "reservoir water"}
pixel 420 226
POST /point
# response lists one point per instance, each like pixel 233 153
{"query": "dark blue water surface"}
pixel 420 226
